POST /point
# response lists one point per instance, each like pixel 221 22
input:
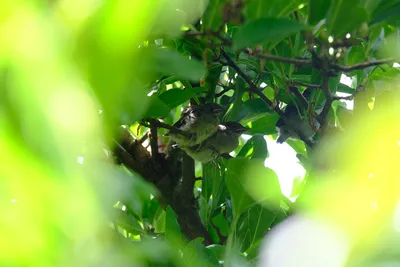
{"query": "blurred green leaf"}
pixel 170 62
pixel 235 179
pixel 221 223
pixel 213 186
pixel 255 148
pixel 337 17
pixel 252 226
pixel 175 97
pixel 264 125
pixel 297 146
pixel 217 250
pixel 128 222
pixel 157 108
pixel 262 30
pixel 172 228
pixel 317 10
pixel 251 110
pixel 212 18
pixel 275 8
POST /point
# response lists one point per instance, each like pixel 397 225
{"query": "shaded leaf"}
pixel 264 125
pixel 251 110
pixel 252 226
pixel 172 228
pixel 171 62
pixel 235 179
pixel 255 147
pixel 175 97
pixel 222 224
pixel 274 8
pixel 317 10
pixel 270 30
pixel 128 222
pixel 338 21
pixel 212 18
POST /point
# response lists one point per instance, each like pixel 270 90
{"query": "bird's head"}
pixel 213 108
pixel 233 128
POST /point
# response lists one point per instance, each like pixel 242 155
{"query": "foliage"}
pixel 72 73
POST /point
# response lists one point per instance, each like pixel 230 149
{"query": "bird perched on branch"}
pixel 225 140
pixel 295 122
pixel 198 122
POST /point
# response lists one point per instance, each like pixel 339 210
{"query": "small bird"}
pixel 199 122
pixel 295 122
pixel 225 140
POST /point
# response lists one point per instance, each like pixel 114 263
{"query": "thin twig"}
pixel 159 124
pixel 362 65
pixel 297 62
pixel 253 88
pixel 309 85
pixel 226 89
pixel 216 35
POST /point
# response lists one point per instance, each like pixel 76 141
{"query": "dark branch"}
pixel 297 62
pixel 214 34
pixel 164 174
pixel 154 142
pixel 362 65
pixel 328 102
pixel 159 124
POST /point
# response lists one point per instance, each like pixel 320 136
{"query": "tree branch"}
pixel 253 88
pixel 328 102
pixel 362 65
pixel 309 85
pixel 297 62
pixel 164 174
pixel 159 124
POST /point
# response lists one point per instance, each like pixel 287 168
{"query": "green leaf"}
pixel 252 226
pixel 256 9
pixel 270 30
pixel 149 210
pixel 175 97
pixel 298 146
pixel 235 179
pixel 251 110
pixel 212 18
pixel 213 185
pixel 156 108
pixel 255 148
pixel 196 254
pixel 212 80
pixel 354 55
pixel 264 125
pixel 128 222
pixel 338 21
pixel 221 223
pixel 385 11
pixel 317 10
pixel 345 89
pixel 172 228
pixel 218 251
pixel 171 62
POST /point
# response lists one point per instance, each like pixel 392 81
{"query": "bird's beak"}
pixel 243 129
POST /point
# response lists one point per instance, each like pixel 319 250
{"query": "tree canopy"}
pixel 89 90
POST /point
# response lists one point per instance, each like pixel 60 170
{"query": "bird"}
pixel 198 122
pixel 294 122
pixel 223 141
